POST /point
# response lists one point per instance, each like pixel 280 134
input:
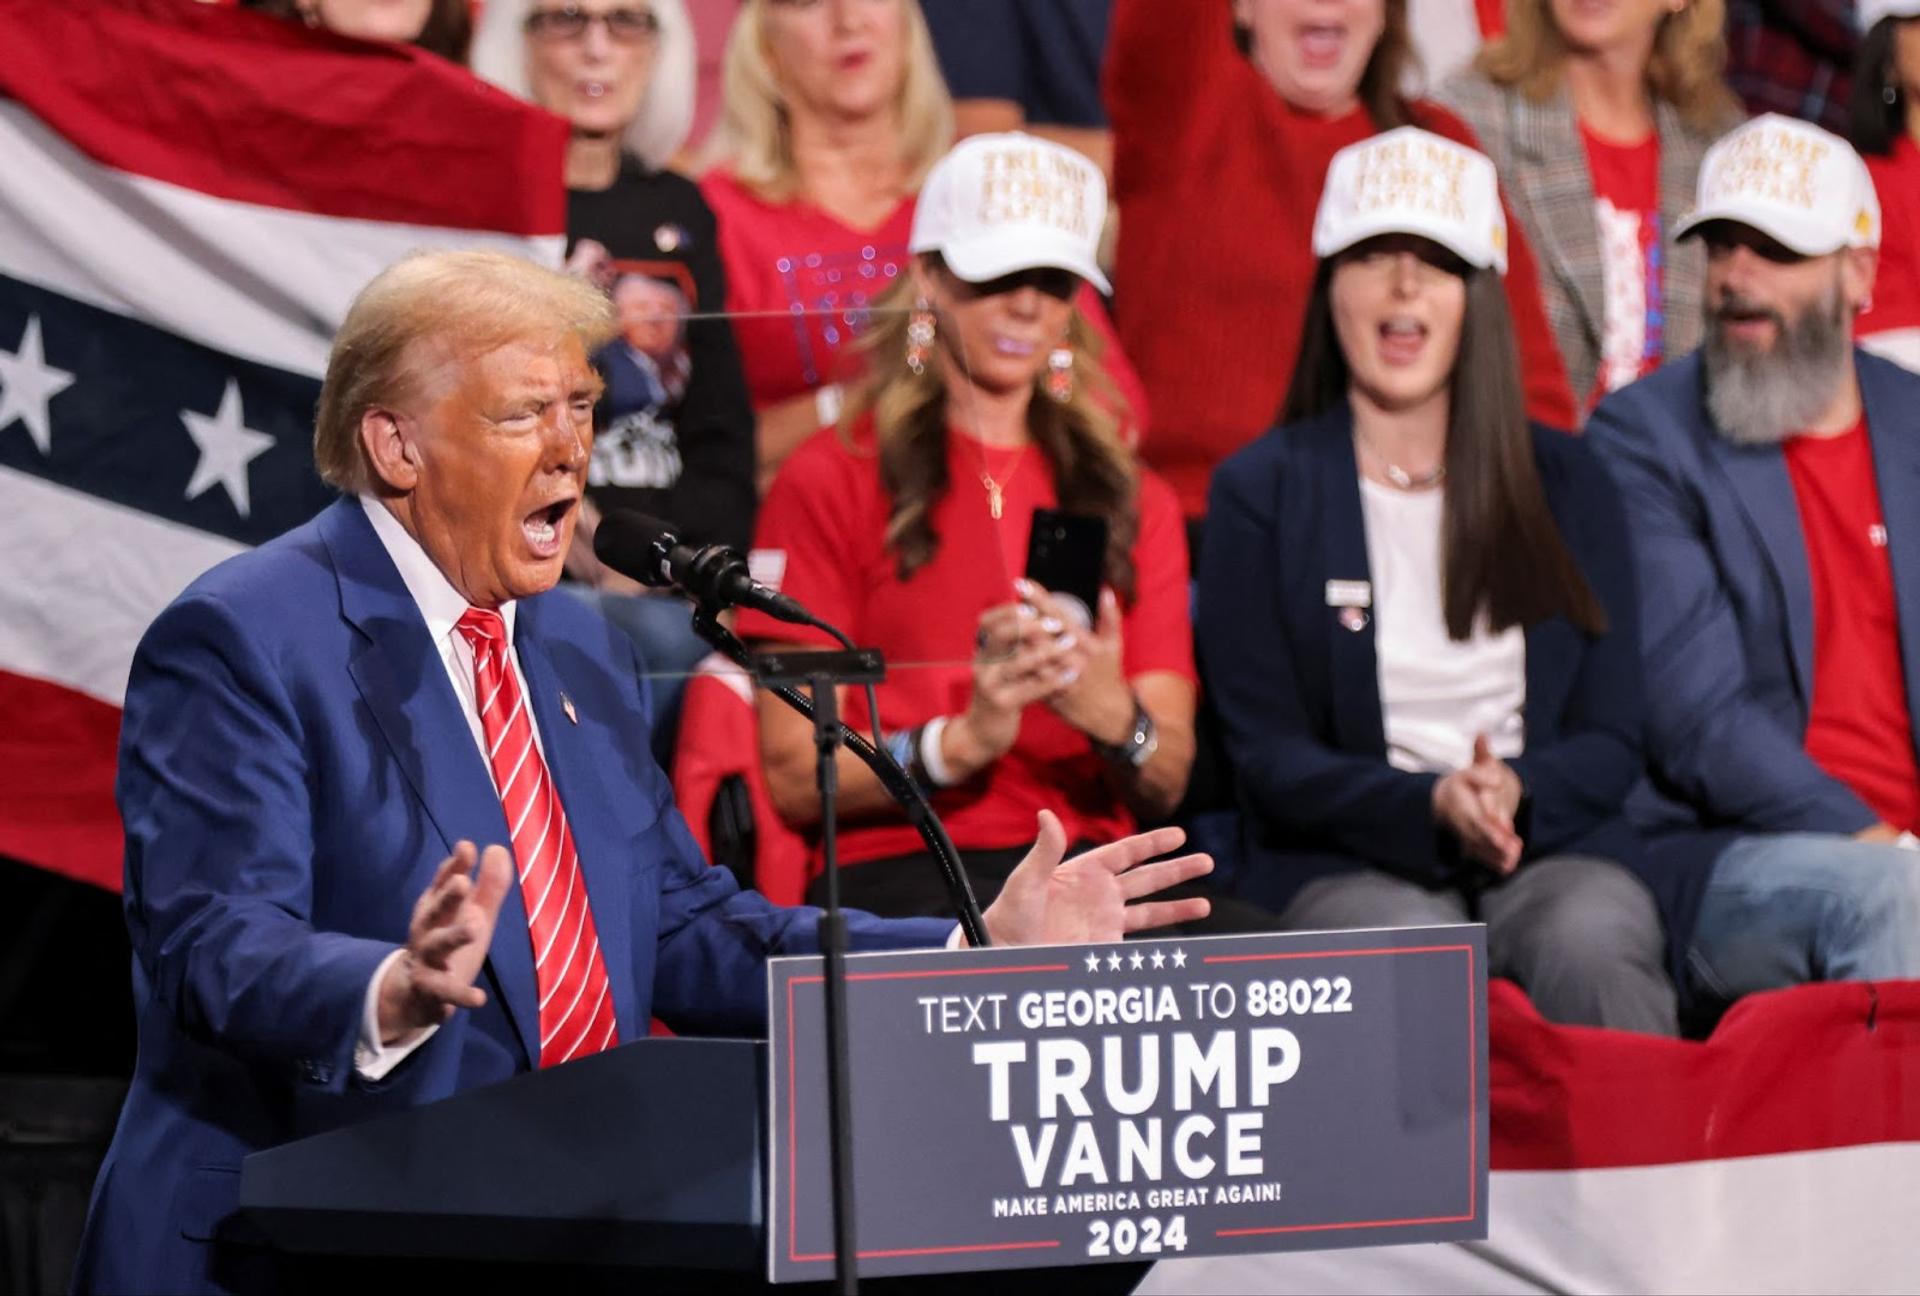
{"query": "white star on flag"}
pixel 1137 961
pixel 1093 962
pixel 27 384
pixel 227 446
pixel 1113 962
pixel 1159 958
pixel 1179 958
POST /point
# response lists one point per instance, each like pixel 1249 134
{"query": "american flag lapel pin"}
pixel 566 704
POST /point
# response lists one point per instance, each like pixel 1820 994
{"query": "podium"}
pixel 650 1155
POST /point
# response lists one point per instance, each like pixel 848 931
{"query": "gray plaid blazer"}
pixel 1542 163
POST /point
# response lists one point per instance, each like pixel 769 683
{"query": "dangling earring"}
pixel 1060 374
pixel 919 336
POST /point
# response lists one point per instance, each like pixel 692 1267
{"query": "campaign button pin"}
pixel 1353 619
pixel 1349 593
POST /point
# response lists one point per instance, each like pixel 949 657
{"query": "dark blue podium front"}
pixel 649 1155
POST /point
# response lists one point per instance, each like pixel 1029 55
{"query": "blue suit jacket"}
pixel 294 764
pixel 1299 692
pixel 1727 615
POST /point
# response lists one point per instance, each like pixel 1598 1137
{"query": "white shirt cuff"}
pixel 957 939
pixel 372 1059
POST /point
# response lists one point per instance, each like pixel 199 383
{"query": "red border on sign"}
pixel 1473 1125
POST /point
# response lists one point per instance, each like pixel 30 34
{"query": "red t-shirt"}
pixel 1218 179
pixel 1860 730
pixel 1896 284
pixel 828 512
pixel 810 278
pixel 1626 202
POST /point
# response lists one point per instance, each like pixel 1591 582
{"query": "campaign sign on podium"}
pixel 1139 1100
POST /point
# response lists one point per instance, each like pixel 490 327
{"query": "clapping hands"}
pixel 1478 804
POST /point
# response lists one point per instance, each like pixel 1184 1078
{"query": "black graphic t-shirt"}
pixel 674 429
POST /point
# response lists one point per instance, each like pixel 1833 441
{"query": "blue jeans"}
pixel 1789 908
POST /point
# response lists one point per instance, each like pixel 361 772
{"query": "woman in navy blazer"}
pixel 1417 618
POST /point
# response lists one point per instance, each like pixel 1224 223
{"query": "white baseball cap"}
pixel 997 204
pixel 1868 12
pixel 1410 181
pixel 1797 184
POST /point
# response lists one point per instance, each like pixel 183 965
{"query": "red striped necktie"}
pixel 576 1010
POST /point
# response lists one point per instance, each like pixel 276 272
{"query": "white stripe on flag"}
pixel 260 283
pixel 84 579
pixel 1839 1219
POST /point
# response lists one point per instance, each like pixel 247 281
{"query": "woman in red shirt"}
pixel 984 398
pixel 1219 156
pixel 1884 125
pixel 1631 95
pixel 833 114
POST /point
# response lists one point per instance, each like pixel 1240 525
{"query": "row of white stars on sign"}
pixel 227 445
pixel 1136 960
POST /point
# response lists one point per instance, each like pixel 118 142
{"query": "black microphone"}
pixel 648 550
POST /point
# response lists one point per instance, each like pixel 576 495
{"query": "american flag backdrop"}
pixel 190 197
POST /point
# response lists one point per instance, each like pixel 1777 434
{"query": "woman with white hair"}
pixel 622 73
pixel 835 111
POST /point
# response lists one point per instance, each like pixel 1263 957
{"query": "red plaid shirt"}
pixel 1793 57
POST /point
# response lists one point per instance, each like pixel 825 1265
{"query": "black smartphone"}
pixel 1067 555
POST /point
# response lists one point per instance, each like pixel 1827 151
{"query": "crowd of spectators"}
pixel 1534 421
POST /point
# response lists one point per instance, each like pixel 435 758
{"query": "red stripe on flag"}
pixel 254 109
pixel 57 753
pixel 1818 1066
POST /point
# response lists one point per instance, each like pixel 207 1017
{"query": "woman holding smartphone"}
pixel 983 400
pixel 1417 615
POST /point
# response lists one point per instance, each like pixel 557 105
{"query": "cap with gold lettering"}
pixel 1410 181
pixel 1799 185
pixel 1000 203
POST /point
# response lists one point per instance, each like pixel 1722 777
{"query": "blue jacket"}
pixel 1299 692
pixel 293 766
pixel 1727 615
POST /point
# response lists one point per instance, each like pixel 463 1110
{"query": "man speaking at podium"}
pixel 318 732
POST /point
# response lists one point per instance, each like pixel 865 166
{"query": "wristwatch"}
pixel 1138 747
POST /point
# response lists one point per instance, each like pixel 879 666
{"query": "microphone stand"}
pixel 824 672
pixel 899 785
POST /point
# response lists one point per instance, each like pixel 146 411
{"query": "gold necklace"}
pixel 996 490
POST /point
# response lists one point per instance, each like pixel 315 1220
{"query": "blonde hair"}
pixel 1095 471
pixel 424 310
pixel 500 54
pixel 753 139
pixel 1685 69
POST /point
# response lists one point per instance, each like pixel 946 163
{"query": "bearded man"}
pixel 1772 483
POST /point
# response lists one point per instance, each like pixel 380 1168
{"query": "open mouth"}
pixel 1402 340
pixel 593 89
pixel 1321 46
pixel 542 527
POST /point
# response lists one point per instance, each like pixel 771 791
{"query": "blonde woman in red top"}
pixel 1225 117
pixel 1597 118
pixel 834 112
pixel 984 398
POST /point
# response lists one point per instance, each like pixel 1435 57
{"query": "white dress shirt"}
pixel 1436 694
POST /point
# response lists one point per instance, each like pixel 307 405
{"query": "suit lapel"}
pixel 603 854
pixel 404 684
pixel 1896 468
pixel 1352 663
pixel 1554 180
pixel 1765 491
